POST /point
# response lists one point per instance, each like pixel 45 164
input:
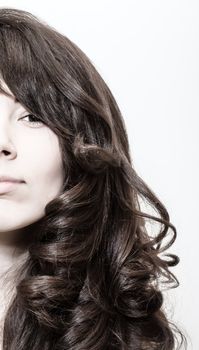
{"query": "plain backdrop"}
pixel 148 53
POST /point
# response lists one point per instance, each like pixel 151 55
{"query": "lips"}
pixel 9 184
pixel 5 178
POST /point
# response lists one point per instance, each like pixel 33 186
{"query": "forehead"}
pixel 5 87
pixel 7 90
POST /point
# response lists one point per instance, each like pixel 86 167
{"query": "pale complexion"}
pixel 29 151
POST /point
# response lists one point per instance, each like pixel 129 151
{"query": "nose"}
pixel 7 148
pixel 7 151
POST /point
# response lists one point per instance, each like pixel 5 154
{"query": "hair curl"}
pixel 92 276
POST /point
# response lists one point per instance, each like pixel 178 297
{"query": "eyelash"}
pixel 39 121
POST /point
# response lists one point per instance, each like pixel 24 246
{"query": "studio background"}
pixel 148 54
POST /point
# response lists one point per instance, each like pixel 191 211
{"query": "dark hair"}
pixel 92 277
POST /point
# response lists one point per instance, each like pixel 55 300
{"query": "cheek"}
pixel 44 175
pixel 40 164
pixel 45 172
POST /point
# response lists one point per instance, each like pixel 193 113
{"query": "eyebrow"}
pixel 15 99
pixel 10 95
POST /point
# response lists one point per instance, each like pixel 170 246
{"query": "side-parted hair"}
pixel 93 276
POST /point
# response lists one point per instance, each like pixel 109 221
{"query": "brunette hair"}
pixel 93 275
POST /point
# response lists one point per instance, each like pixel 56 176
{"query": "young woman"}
pixel 79 269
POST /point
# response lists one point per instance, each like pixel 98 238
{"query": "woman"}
pixel 83 271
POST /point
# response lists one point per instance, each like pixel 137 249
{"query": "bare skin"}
pixel 30 152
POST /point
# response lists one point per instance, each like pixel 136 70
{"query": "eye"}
pixel 33 117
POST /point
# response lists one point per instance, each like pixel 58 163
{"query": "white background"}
pixel 148 54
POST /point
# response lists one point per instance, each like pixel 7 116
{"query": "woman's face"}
pixel 29 151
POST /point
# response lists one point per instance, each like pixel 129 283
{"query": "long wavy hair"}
pixel 93 277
